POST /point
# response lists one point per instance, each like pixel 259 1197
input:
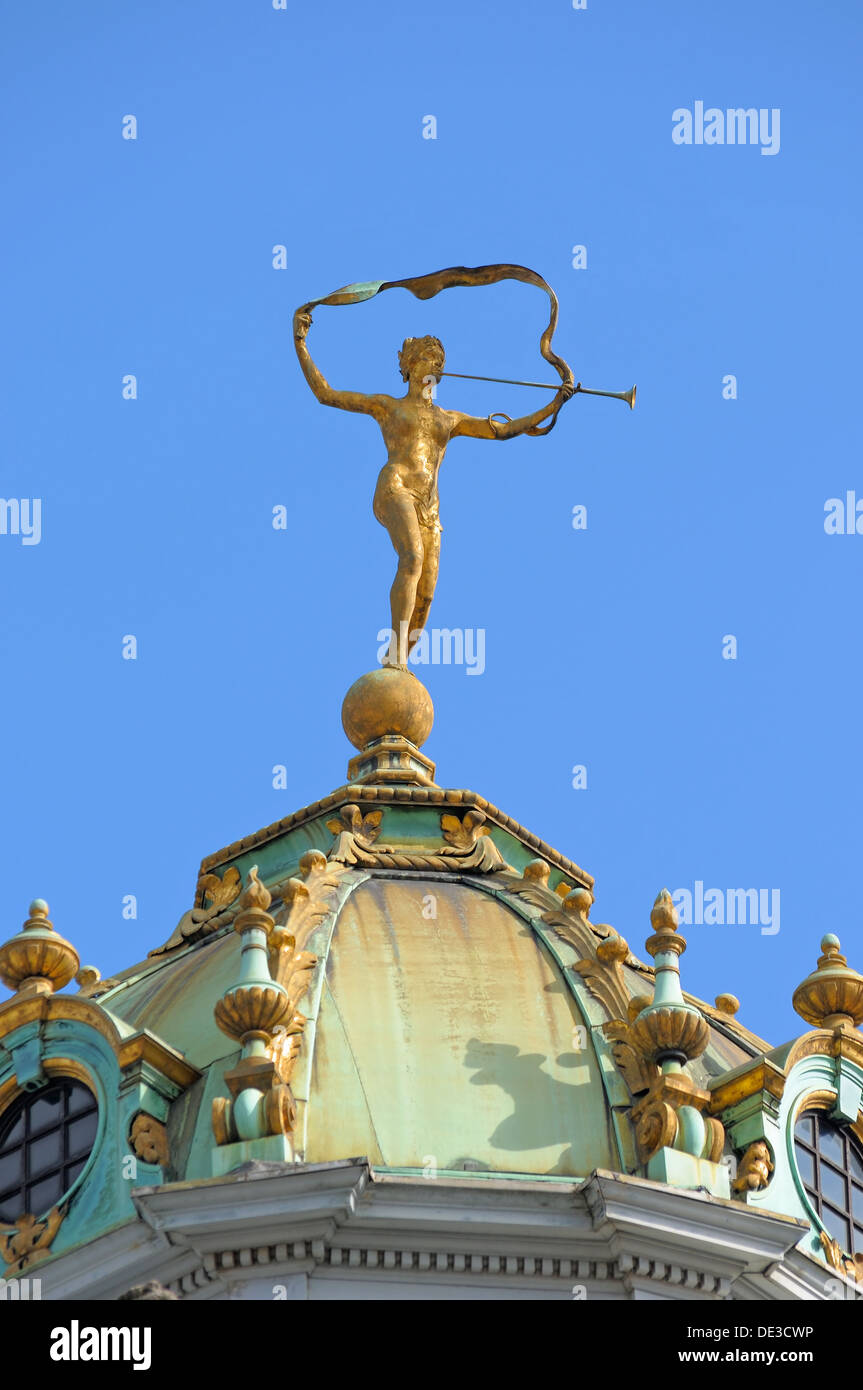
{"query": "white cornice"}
pixel 341 1222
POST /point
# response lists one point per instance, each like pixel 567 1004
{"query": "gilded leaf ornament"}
pixel 307 901
pixel 219 894
pixel 469 844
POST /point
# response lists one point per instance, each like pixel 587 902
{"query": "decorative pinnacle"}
pixel 665 921
pixel 832 996
pixel 727 1004
pixel 251 1009
pixel 252 904
pixel 669 1031
pixel 37 959
pixel 255 895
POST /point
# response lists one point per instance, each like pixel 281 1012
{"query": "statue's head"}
pixel 424 356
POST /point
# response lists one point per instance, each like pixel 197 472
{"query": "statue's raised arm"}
pixel 327 394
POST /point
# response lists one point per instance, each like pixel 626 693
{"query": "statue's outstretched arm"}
pixel 326 394
pixel 475 427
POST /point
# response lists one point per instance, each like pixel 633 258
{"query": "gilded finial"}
pixel 255 894
pixel 580 901
pixel 249 1012
pixel 669 1031
pixel 727 1004
pixel 37 959
pixel 832 996
pixel 665 922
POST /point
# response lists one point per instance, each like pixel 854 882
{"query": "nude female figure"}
pixel 416 433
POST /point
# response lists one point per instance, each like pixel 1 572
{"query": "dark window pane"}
pixel 805 1129
pixel 857 1202
pixel 858 1240
pixel 830 1144
pixel 46 1152
pixel 837 1226
pixel 45 1111
pixel 11 1207
pixel 806 1166
pixel 80 1099
pixel 11 1169
pixel 72 1173
pixel 81 1135
pixel 856 1162
pixel 42 1196
pixel 834 1188
pixel 14 1134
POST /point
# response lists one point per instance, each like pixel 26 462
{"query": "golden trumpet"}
pixel 628 396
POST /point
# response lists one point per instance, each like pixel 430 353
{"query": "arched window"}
pixel 45 1139
pixel 830 1164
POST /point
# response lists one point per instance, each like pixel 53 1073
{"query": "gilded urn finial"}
pixel 37 960
pixel 669 1031
pixel 250 1011
pixel 832 996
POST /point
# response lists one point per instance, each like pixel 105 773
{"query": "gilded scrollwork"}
pixel 215 895
pixel 29 1240
pixel 468 844
pixel 849 1265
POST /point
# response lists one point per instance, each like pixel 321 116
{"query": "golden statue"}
pixel 416 433
pixel 387 714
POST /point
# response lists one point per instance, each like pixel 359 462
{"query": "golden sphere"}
pixel 387 701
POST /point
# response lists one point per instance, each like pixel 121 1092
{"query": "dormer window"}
pixel 830 1164
pixel 46 1137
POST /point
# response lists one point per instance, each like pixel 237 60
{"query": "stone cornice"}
pixel 343 1220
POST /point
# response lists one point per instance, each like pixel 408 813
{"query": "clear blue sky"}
pixel 705 516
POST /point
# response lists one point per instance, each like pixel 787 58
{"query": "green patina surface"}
pixel 449 1037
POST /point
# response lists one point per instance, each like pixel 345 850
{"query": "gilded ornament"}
pixel 307 901
pixel 851 1266
pixel 469 844
pixel 652 1047
pixel 754 1169
pixel 29 1240
pixel 604 975
pixel 37 960
pixel 727 1004
pixel 417 433
pixel 149 1139
pixel 832 996
pixel 250 1011
pixel 216 895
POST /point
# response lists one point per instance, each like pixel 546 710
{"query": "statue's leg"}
pixel 426 583
pixel 398 514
